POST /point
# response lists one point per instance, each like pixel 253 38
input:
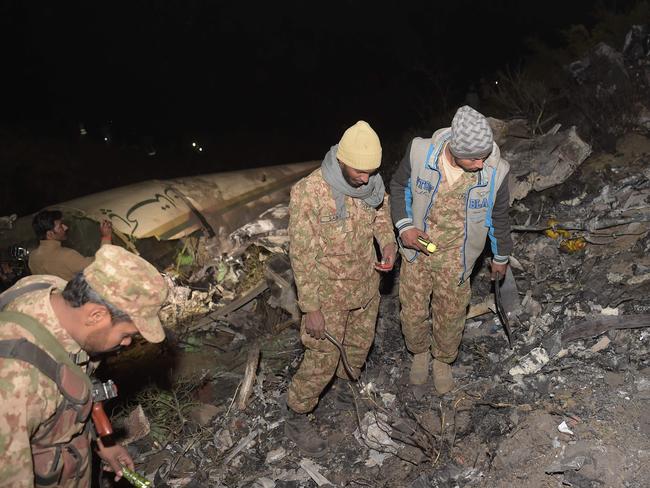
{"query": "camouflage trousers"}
pixel 428 287
pixel 355 330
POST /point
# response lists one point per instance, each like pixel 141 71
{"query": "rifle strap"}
pixel 26 351
pixel 10 295
pixel 43 336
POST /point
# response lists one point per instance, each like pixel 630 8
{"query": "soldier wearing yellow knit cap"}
pixel 336 214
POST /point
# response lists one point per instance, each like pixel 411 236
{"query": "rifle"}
pixel 100 393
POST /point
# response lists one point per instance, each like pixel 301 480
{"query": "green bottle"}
pixel 135 479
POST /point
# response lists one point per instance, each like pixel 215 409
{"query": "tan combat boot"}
pixel 298 428
pixel 442 378
pixel 419 368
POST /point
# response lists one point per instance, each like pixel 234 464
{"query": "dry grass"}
pixel 166 409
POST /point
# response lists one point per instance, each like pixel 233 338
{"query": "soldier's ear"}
pixel 97 314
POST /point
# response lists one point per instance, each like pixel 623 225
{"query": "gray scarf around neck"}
pixel 372 193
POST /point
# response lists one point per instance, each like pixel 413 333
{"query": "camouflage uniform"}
pixel 333 262
pixel 29 398
pixel 448 300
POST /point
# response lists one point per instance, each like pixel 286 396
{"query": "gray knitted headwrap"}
pixel 471 135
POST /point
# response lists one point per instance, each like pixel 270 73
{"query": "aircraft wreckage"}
pixel 154 217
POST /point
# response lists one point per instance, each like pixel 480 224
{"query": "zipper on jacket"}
pixel 435 190
pixel 462 252
pixel 493 239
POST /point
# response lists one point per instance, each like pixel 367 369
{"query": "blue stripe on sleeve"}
pixel 408 197
pixel 488 218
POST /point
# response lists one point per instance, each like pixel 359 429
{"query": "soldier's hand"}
pixel 410 239
pixel 498 268
pixel 315 324
pixel 106 230
pixel 388 255
pixel 114 456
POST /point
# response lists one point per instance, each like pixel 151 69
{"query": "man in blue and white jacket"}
pixel 450 190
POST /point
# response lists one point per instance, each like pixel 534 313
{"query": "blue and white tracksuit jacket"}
pixel 413 191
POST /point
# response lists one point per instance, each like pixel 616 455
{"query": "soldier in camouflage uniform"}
pixel 44 434
pixel 450 190
pixel 336 213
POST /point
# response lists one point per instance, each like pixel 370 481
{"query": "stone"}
pixel 614 379
pixel 275 455
pixel 531 363
pixel 601 345
pixel 203 413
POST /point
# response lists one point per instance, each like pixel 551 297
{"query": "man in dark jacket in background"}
pixel 449 193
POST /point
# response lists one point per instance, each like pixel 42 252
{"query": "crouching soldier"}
pixel 46 328
pixel 336 213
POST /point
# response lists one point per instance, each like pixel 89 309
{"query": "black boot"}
pixel 298 428
pixel 343 394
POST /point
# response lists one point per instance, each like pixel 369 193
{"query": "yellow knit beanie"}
pixel 359 147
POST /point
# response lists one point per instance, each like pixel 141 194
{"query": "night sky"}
pixel 252 82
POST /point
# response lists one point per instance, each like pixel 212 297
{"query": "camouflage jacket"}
pixel 28 398
pixel 333 260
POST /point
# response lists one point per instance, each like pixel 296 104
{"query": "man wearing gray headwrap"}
pixel 448 195
pixel 335 216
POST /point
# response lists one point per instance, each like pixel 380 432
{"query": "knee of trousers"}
pixel 415 325
pixel 316 364
pixel 343 374
pixel 313 375
pixel 414 320
pixel 414 314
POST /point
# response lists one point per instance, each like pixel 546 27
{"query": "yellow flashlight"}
pixel 431 247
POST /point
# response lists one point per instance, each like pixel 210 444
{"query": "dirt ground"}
pixel 579 416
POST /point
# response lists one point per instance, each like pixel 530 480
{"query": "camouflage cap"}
pixel 132 285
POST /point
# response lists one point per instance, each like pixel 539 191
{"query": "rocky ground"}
pixel 566 406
